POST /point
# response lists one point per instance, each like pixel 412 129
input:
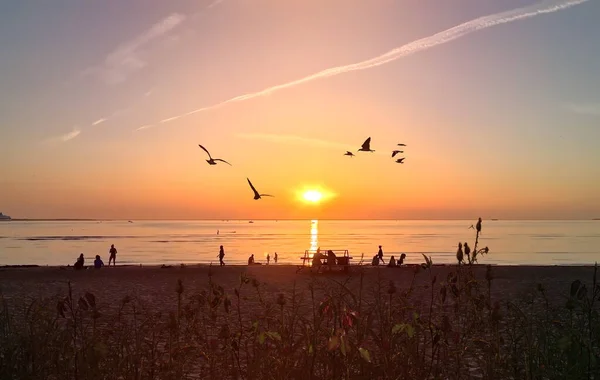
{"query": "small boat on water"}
pixel 4 217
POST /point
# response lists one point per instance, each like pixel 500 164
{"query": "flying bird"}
pixel 212 161
pixel 394 153
pixel 256 194
pixel 401 144
pixel 366 146
pixel 348 153
pixel 400 160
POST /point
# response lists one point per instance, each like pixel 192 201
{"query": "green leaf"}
pixel 261 338
pixel 364 353
pixel 398 328
pixel 310 349
pixel 410 331
pixel 273 335
pixel 343 345
pixel 334 343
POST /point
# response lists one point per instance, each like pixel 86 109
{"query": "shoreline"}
pixel 354 266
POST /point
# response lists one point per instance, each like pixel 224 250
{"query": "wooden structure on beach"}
pixel 322 263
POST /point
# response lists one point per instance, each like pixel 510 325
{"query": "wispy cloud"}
pixel 64 137
pixel 125 59
pixel 99 121
pixel 429 42
pixel 307 141
pixel 589 109
pixel 214 3
pixel 144 127
pixel 295 140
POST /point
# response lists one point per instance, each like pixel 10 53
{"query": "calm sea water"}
pixel 173 242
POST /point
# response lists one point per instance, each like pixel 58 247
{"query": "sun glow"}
pixel 313 196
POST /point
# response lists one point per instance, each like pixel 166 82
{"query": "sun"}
pixel 312 196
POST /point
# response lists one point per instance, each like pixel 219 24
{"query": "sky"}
pixel 103 105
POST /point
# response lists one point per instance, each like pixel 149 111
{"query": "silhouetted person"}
pixel 251 259
pixel 268 259
pixel 392 263
pixel 98 263
pixel 331 258
pixel 113 255
pixel 275 258
pixel 316 261
pixel 375 260
pixel 459 254
pixel 467 252
pixel 380 254
pixel 222 255
pixel 79 263
pixel 401 259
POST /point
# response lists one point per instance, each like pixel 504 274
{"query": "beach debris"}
pixel 212 161
pixel 366 146
pixel 257 196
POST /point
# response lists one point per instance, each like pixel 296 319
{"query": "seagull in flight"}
pixel 348 153
pixel 212 161
pixel 366 146
pixel 401 144
pixel 400 160
pixel 257 196
pixel 394 153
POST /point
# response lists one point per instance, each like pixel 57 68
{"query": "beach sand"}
pixel 156 285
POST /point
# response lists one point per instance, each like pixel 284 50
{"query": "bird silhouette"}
pixel 401 144
pixel 394 153
pixel 366 146
pixel 348 153
pixel 400 160
pixel 478 225
pixel 212 161
pixel 256 194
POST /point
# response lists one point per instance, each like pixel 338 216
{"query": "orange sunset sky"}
pixel 500 121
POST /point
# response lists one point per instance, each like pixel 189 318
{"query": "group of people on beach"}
pixel 378 258
pixel 251 260
pixel 98 263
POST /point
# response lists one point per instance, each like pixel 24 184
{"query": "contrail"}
pixel 443 37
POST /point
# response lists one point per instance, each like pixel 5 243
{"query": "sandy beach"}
pixel 157 285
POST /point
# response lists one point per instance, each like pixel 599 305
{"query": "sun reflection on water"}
pixel 314 235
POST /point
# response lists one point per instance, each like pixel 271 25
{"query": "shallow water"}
pixel 171 242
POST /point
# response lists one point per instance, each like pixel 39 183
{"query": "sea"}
pixel 153 242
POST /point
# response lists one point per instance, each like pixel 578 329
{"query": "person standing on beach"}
pixel 268 259
pixel 380 255
pixel 221 256
pixel 113 255
pixel 275 258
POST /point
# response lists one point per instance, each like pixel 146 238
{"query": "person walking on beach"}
pixel 221 255
pixel 268 259
pixel 380 255
pixel 275 258
pixel 113 255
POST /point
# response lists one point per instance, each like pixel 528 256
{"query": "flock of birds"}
pixel 365 147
